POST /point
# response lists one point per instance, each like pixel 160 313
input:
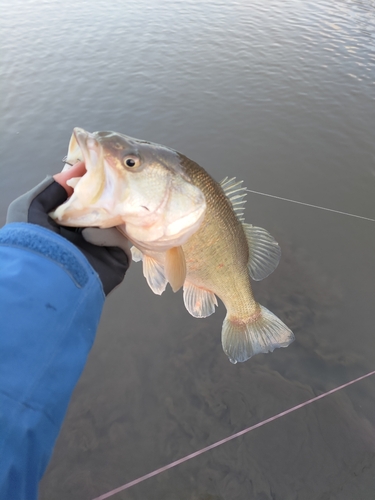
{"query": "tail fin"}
pixel 264 334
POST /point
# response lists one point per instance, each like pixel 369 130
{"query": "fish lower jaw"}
pixel 153 246
pixel 155 238
pixel 160 243
pixel 188 225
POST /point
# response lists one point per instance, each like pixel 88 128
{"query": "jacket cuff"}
pixel 52 246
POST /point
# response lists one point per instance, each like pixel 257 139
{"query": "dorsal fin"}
pixel 235 193
pixel 264 251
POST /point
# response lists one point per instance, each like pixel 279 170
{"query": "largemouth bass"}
pixel 186 228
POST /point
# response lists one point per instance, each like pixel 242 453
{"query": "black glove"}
pixel 106 249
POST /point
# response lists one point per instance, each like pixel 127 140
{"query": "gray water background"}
pixel 280 94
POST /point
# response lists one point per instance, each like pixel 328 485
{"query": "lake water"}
pixel 280 94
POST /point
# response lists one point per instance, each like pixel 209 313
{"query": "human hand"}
pixel 106 249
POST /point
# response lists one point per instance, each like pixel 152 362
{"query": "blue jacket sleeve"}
pixel 50 305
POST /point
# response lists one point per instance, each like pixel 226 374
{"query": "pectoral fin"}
pixel 136 254
pixel 154 273
pixel 175 267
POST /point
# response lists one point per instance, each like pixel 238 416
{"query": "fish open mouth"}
pixel 75 153
pixel 85 147
pixel 81 208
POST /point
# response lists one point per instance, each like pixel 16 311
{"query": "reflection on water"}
pixel 280 94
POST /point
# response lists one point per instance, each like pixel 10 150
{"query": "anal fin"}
pixel 175 267
pixel 199 302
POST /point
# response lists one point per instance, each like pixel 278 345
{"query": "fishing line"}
pixel 309 205
pixel 227 439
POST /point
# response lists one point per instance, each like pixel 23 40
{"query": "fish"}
pixel 147 196
pixel 190 232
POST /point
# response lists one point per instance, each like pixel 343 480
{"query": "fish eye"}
pixel 131 161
